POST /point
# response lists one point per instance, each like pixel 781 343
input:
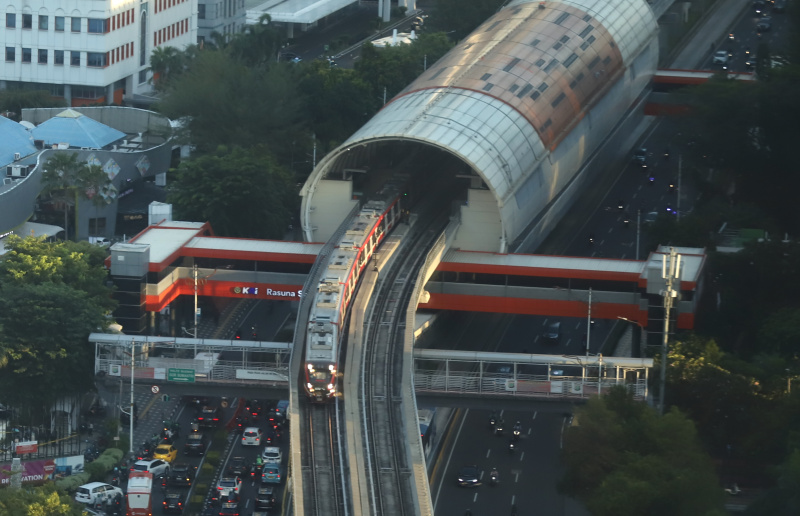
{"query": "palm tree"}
pixel 59 180
pixel 163 62
pixel 67 179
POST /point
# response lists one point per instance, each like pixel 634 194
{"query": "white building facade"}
pixel 225 17
pixel 90 51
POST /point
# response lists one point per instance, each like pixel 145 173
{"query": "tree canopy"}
pixel 622 458
pixel 43 500
pixel 241 192
pixel 52 297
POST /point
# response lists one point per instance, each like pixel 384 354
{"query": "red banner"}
pixel 27 447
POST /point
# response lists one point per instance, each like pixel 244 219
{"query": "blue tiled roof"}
pixel 13 138
pixel 76 129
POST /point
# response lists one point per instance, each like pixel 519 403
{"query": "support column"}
pixel 290 30
pixel 110 94
pixel 68 94
pixel 387 10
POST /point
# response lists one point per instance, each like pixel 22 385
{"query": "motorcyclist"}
pixel 517 429
pixel 494 476
pixel 591 238
pixel 511 446
pixel 493 419
pixel 498 427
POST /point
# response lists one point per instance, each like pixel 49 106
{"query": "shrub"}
pixel 212 459
pixel 96 470
pixel 71 483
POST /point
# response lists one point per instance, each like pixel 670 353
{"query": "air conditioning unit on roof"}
pixel 17 156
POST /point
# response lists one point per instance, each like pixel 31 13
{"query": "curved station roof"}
pixel 509 93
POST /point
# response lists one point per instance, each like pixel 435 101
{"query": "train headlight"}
pixel 330 386
pixel 310 387
pixel 310 367
pixel 331 368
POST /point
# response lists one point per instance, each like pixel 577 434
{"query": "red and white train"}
pixel 337 287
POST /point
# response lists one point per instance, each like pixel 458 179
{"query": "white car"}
pixel 272 455
pixel 720 57
pixel 229 485
pixel 157 467
pixel 96 492
pixel 251 436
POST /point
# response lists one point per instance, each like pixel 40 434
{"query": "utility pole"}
pixel 589 323
pixel 678 204
pixel 132 414
pixel 638 226
pixel 671 273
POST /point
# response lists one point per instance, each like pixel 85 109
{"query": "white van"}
pixel 251 436
pixel 96 492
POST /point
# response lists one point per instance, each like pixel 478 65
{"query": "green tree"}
pixel 258 44
pixel 59 181
pixel 68 180
pixel 226 103
pixel 241 192
pixel 784 498
pixel 462 17
pixel 165 62
pixel 45 332
pixel 79 265
pixel 43 500
pixel 624 459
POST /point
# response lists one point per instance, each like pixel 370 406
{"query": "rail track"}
pixel 391 478
pixel 322 468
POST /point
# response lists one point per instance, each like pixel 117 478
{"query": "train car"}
pixel 338 284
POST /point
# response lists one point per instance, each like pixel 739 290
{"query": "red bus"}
pixel 140 490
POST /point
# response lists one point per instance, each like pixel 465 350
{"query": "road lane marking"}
pixel 488 452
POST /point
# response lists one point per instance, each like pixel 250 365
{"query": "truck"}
pixel 140 491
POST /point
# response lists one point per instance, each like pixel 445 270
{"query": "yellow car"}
pixel 165 452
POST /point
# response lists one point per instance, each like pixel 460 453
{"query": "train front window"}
pixel 319 372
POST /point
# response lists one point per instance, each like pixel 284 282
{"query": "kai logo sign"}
pixel 267 292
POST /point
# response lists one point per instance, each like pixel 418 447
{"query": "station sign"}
pixel 262 291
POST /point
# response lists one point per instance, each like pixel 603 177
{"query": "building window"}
pixel 43 25
pixel 11 54
pixel 76 24
pixel 42 56
pixel 96 59
pixel 58 57
pixel 201 12
pixel 97 26
pixel 27 21
pixel 59 24
pixel 11 20
pixel 74 58
pixel 26 55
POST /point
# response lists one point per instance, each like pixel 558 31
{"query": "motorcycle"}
pixel 517 430
pixel 498 428
pixel 591 239
pixel 492 421
pixel 494 477
pixel 626 220
pixel 651 178
pixel 511 447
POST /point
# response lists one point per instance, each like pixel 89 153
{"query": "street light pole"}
pixel 670 272
pixel 589 322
